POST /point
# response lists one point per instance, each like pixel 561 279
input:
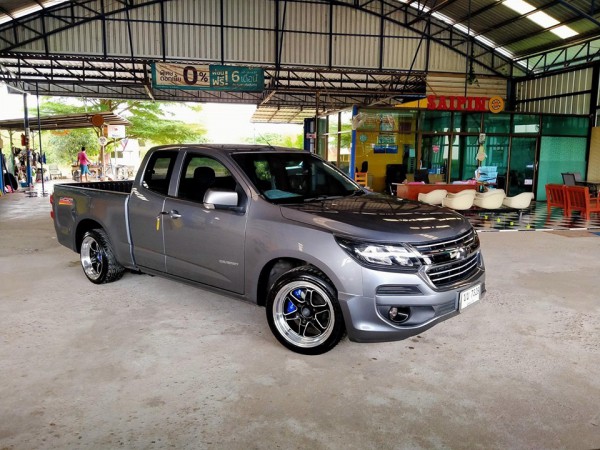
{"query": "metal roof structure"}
pixel 316 54
pixel 64 122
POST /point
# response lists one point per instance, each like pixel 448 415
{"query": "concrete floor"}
pixel 149 363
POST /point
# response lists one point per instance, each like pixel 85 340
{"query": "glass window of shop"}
pixel 333 138
pixel 435 151
pixel 470 122
pixel 526 123
pixel 436 121
pixel 447 144
pixel 466 163
pixel 492 169
pixel 496 123
pixel 322 137
pixel 563 148
pixel 565 126
pixel 384 137
pixel 345 140
pixel 436 127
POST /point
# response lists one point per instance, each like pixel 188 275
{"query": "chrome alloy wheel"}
pixel 303 314
pixel 92 258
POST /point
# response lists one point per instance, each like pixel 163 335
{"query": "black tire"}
pixel 303 312
pixel 97 259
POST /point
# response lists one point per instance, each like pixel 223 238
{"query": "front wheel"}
pixel 97 259
pixel 303 312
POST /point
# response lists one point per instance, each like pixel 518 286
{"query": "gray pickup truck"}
pixel 281 228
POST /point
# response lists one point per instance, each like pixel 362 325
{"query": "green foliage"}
pixel 63 148
pixel 346 136
pixel 275 139
pixel 262 170
pixel 149 122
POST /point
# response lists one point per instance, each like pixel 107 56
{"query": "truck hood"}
pixel 379 217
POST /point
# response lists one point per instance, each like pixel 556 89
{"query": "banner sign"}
pixel 460 103
pixel 210 78
pixel 116 131
pixel 383 148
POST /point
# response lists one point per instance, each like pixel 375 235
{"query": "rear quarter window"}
pixel 159 170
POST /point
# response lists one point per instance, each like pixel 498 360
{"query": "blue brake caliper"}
pixel 289 305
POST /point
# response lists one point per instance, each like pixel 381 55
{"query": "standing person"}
pixel 83 164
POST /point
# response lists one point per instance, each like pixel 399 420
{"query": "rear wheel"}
pixel 303 312
pixel 97 259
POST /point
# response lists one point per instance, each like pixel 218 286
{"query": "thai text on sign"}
pixel 213 77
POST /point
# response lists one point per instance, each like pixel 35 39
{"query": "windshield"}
pixel 294 177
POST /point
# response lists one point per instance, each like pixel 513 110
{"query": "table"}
pixel 594 186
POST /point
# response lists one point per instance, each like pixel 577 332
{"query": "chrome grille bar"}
pixel 443 266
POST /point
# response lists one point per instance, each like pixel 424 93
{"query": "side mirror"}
pixel 216 198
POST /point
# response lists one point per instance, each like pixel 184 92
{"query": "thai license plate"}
pixel 469 297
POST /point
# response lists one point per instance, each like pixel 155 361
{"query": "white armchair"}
pixel 491 199
pixel 519 201
pixel 460 200
pixel 434 197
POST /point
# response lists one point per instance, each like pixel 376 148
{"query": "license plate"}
pixel 469 297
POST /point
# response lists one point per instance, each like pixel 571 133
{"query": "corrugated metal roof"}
pixel 64 122
pixel 490 19
pixel 269 114
pixel 329 54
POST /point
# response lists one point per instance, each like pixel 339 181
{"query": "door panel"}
pixel 145 222
pixel 434 156
pixel 205 245
pixel 522 166
pixel 145 211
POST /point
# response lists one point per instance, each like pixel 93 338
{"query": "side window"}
pixel 158 171
pixel 202 173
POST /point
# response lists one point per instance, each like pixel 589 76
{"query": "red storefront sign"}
pixel 461 103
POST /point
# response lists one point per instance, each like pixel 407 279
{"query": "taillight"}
pixel 52 203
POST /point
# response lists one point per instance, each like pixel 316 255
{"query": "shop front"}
pixel 496 149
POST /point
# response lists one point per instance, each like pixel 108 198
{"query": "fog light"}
pixel 399 314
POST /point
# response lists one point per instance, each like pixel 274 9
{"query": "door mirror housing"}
pixel 222 199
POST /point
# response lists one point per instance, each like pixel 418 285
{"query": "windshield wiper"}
pixel 321 197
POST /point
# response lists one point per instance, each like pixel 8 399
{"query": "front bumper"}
pixel 366 317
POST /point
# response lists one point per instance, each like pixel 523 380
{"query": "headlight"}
pixel 381 256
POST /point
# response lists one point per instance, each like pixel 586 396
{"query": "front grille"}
pixel 446 274
pixel 452 260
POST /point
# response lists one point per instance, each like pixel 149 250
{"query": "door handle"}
pixel 174 214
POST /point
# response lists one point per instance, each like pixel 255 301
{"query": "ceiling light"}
pixel 541 18
pixel 519 6
pixel 564 32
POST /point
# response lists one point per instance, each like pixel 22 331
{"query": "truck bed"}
pixel 114 186
pixel 96 204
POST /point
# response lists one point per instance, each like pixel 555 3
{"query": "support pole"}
pixel 27 149
pixel 42 155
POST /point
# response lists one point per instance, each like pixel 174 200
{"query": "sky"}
pixel 227 123
pixel 224 123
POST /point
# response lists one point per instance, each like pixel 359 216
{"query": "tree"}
pixel 149 122
pixel 275 139
pixel 64 147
